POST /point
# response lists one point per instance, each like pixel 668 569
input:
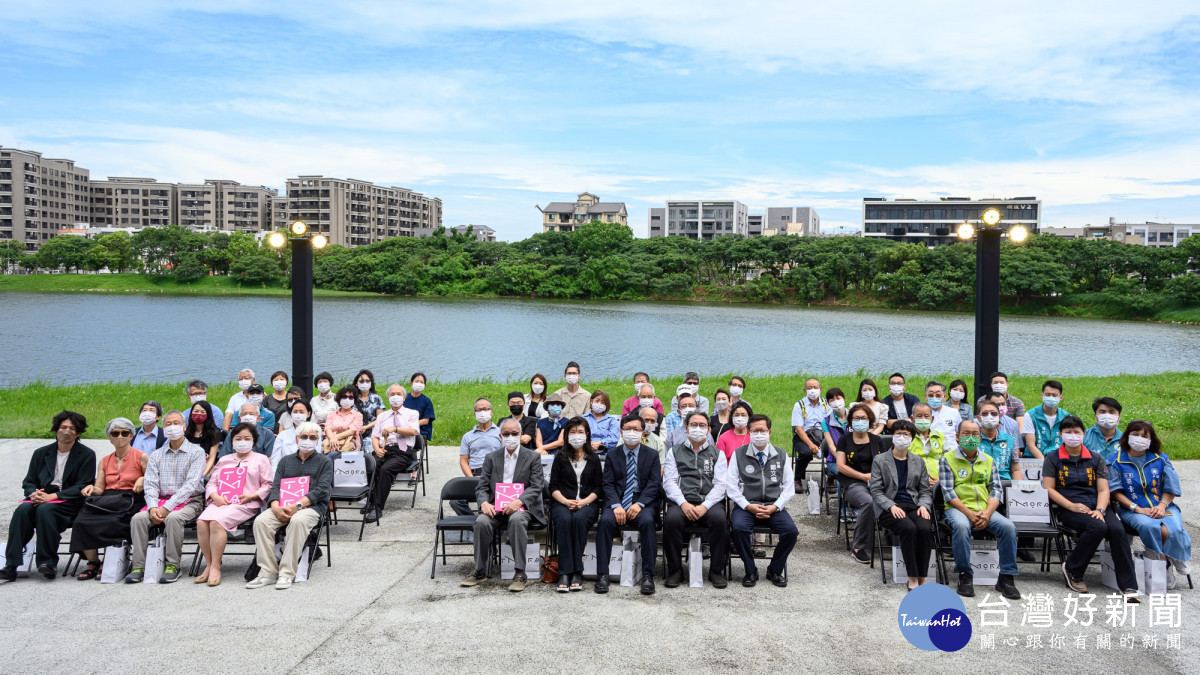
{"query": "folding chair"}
pixel 1044 529
pixel 463 488
pixel 243 535
pixel 400 484
pixel 882 533
pixel 353 495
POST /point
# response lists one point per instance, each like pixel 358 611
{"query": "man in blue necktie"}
pixel 632 483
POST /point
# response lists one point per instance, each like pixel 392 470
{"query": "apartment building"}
pixel 568 217
pixel 700 219
pixel 352 212
pixel 40 196
pixel 796 220
pixel 934 222
pixel 226 205
pixel 133 202
pixel 1158 235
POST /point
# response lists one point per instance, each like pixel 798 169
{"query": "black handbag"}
pixel 110 504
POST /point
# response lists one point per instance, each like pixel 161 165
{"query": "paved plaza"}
pixel 377 610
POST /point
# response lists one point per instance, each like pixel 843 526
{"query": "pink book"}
pixel 52 501
pixel 164 501
pixel 231 483
pixel 292 490
pixel 507 492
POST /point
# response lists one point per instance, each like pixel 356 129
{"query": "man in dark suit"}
pixel 53 488
pixel 632 485
pixel 512 464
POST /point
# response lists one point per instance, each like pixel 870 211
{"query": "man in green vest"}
pixel 971 486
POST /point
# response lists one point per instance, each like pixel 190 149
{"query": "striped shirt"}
pixel 177 474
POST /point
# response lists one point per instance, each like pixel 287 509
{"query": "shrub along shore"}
pixel 1168 400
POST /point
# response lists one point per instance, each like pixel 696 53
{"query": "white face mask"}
pixel 868 394
pixel 999 388
pixel 1073 439
pixel 651 426
pixel 645 402
pixel 956 395
pixel 297 418
pixel 989 421
pixel 195 398
pixel 837 404
pixel 572 379
pixel 901 442
pixel 813 394
pixel 323 387
pixel 510 441
pixel 741 422
pixel 1139 443
pixel 760 439
pixel 306 444
pixel 396 401
pixel 896 389
pixel 364 386
pixel 245 384
pixel 684 412
pixel 418 387
pixel 242 447
pixel 537 388
pixel 346 403
pixel 1107 420
pixel 147 417
pixel 576 440
pixel 248 419
pixel 697 435
pixel 256 399
pixel 736 390
pixel 599 408
pixel 482 416
pixel 720 405
pixel 279 385
pixel 173 432
pixel 631 437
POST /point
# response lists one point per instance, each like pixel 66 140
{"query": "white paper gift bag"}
pixel 350 470
pixel 631 561
pixel 302 566
pixel 985 566
pixel 1031 467
pixel 155 561
pixel 116 564
pixel 1151 575
pixel 26 560
pixel 814 499
pixel 695 563
pixel 1027 502
pixel 1108 571
pixel 900 571
pixel 532 564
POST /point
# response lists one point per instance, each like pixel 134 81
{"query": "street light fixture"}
pixel 303 242
pixel 1018 233
pixel 966 231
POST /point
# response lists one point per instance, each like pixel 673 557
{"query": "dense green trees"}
pixel 604 261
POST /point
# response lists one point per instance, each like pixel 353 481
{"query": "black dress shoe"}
pixel 371 515
pixel 966 587
pixel 8 574
pixel 648 586
pixel 777 578
pixel 1025 555
pixel 718 580
pixel 602 583
pixel 750 579
pixel 674 578
pixel 48 571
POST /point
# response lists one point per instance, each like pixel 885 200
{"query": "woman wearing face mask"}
pixel 276 400
pixel 417 400
pixel 836 423
pixel 112 500
pixel 739 435
pixel 229 508
pixel 719 423
pixel 958 400
pixel 343 426
pixel 855 454
pixel 285 419
pixel 549 429
pixel 366 401
pixel 1145 485
pixel 903 497
pixel 535 400
pixel 323 403
pixel 868 395
pixel 285 442
pixel 606 428
pixel 1077 482
pixel 202 431
pixel 575 486
pixel 737 387
pixel 928 443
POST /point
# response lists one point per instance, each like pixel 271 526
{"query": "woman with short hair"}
pixel 575 486
pixel 226 510
pixel 112 500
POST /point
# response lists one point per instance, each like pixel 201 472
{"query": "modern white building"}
pixel 934 222
pixel 699 219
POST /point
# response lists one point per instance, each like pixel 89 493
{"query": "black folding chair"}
pixel 460 488
pixel 882 534
pixel 400 484
pixel 353 495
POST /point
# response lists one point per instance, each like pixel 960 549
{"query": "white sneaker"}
pixel 1171 577
pixel 283 583
pixel 1181 566
pixel 259 582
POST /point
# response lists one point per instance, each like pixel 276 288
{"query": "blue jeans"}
pixel 1178 545
pixel 960 541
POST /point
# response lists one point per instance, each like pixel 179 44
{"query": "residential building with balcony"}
pixel 934 222
pixel 40 196
pixel 133 202
pixel 568 217
pixel 352 212
pixel 225 205
pixel 1158 235
pixel 699 219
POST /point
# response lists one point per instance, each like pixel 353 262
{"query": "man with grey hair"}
pixel 516 504
pixel 265 444
pixel 393 441
pixel 245 380
pixel 197 390
pixel 692 381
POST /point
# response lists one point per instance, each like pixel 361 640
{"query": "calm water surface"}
pixel 82 338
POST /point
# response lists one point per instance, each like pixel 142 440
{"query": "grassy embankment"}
pixel 1169 400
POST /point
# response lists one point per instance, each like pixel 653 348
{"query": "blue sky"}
pixel 498 106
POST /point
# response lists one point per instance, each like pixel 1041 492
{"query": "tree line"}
pixel 605 261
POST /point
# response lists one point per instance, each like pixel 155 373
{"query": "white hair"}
pixel 308 427
pixel 118 423
pixel 247 370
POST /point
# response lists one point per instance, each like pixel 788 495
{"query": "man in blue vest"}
pixel 1041 425
pixel 1104 437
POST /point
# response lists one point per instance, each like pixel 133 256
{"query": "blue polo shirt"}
pixel 424 408
pixel 1093 439
pixel 476 445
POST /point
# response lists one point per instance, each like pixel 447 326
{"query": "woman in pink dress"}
pixel 224 515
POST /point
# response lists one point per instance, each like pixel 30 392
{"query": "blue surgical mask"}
pixel 554 409
pixel 860 426
pixel 934 402
pixel 1051 401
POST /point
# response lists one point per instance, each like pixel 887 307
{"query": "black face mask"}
pixel 516 408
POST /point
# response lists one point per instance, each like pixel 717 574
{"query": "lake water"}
pixel 63 338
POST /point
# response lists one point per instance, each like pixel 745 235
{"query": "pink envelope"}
pixel 292 490
pixel 507 492
pixel 231 483
pixel 164 501
pixel 52 501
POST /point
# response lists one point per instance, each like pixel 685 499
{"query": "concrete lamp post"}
pixel 302 242
pixel 987 233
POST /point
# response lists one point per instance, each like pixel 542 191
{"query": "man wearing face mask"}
pixel 807 435
pixel 1008 425
pixel 1014 405
pixel 899 403
pixel 149 436
pixel 265 444
pixel 999 445
pixel 632 482
pixel 175 477
pixel 482 440
pixel 971 483
pixel 393 440
pixel 245 380
pixel 945 418
pixel 759 481
pixel 262 416
pixel 692 381
pixel 197 390
pixel 516 410
pixel 1104 436
pixel 650 437
pixel 576 400
pixel 549 429
pixel 695 488
pixel 641 396
pixel 674 431
pixel 929 443
pixel 512 464
pixel 1041 424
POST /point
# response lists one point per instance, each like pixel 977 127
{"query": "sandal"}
pixel 562 584
pixel 92 571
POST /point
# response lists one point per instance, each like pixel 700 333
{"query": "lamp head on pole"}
pixel 299 228
pixel 966 231
pixel 276 239
pixel 1018 233
pixel 319 241
pixel 991 217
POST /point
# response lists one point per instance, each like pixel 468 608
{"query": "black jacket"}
pixel 79 472
pixel 562 476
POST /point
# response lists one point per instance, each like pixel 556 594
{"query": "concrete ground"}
pixel 377 610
